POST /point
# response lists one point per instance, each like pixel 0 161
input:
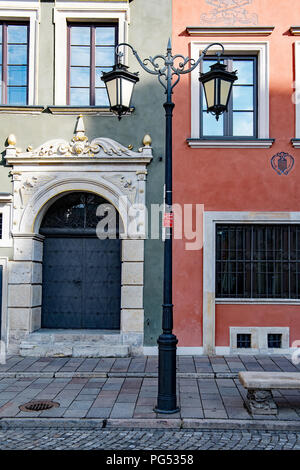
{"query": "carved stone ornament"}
pixel 261 402
pixel 125 184
pixel 79 146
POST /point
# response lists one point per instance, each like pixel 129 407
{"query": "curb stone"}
pixel 105 375
pixel 49 423
pixel 174 424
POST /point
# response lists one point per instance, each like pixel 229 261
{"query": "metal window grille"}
pixel 274 340
pixel 243 340
pixel 1 217
pixel 258 261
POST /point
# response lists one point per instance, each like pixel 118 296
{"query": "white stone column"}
pixel 132 311
pixel 24 288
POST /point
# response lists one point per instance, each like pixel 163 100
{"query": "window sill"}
pixel 258 301
pixel 229 30
pixel 231 144
pixel 87 110
pixel 8 109
pixel 296 143
pixel 5 197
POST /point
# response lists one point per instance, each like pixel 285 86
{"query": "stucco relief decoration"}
pixel 125 184
pixel 282 163
pixel 79 146
pixel 229 12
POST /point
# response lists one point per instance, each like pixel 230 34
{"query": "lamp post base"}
pixel 157 410
pixel 166 398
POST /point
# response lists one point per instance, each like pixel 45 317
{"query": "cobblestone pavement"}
pixel 38 439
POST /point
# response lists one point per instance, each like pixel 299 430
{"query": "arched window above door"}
pixel 75 213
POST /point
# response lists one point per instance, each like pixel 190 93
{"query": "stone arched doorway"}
pixel 81 272
pixel 43 176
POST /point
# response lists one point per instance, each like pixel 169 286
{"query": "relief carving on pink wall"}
pixel 229 12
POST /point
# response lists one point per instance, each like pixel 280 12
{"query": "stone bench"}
pixel 260 385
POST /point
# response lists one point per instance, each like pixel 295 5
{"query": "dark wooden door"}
pixel 81 283
pixel 81 273
pixel 1 271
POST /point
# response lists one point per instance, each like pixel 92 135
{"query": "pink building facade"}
pixel 239 291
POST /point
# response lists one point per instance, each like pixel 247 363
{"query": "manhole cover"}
pixel 39 405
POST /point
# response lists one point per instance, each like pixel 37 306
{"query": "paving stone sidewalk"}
pixel 122 396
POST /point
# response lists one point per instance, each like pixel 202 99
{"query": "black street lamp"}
pixel 217 84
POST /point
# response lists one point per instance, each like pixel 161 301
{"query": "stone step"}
pixel 69 349
pixel 43 337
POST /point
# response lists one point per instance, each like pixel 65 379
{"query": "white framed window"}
pixel 3 305
pixel 5 220
pixel 211 220
pixel 234 48
pixel 296 97
pixel 28 12
pixel 75 12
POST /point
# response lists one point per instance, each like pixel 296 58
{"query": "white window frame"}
pixel 76 11
pixel 261 49
pixel 211 219
pixel 26 11
pixel 297 93
pixel 6 210
pixel 3 307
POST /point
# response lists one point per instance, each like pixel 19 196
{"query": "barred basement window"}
pixel 274 340
pixel 258 261
pixel 243 340
pixel 1 216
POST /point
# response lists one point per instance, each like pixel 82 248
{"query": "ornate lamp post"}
pixel 217 85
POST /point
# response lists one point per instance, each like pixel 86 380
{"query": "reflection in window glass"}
pixel 80 55
pixel 80 77
pixel 16 34
pixel 105 36
pixel 17 95
pixel 80 96
pixel 101 97
pixel 105 56
pixel 98 74
pixel 245 72
pixel 80 36
pixel 211 126
pixel 242 124
pixel 242 97
pixel 91 52
pixel 16 54
pixel 17 75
